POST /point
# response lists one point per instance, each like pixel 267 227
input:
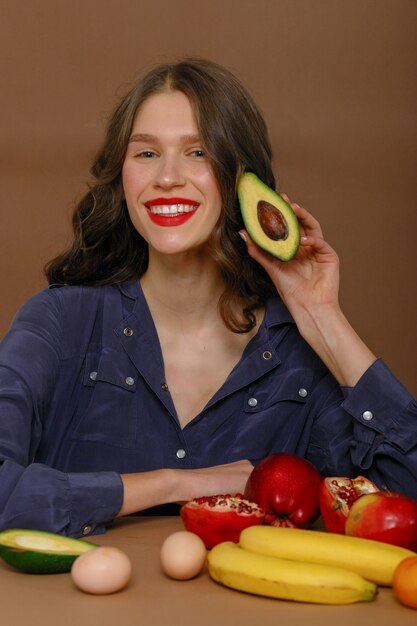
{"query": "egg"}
pixel 183 555
pixel 101 570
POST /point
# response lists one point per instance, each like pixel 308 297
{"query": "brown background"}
pixel 335 79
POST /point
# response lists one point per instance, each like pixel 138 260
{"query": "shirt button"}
pixel 181 453
pixel 129 381
pixel 267 355
pixel 302 392
pixel 87 529
pixel 252 402
pixel 367 415
pixel 128 332
pixel 164 386
pixel 93 375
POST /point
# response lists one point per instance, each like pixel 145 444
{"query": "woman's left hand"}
pixel 309 286
pixel 311 278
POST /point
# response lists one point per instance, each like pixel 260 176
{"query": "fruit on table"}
pixel 39 552
pixel 235 567
pixel 287 487
pixel 404 582
pixel 269 220
pixel 102 571
pixel 384 516
pixel 373 560
pixel 183 555
pixel 337 495
pixel 220 518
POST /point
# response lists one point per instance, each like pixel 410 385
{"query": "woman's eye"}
pixel 146 154
pixel 197 153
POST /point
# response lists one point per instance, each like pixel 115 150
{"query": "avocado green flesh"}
pixel 253 194
pixel 38 552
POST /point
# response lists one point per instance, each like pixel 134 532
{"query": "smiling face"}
pixel 172 195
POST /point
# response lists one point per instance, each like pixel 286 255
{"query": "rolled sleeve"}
pixel 96 498
pixel 74 504
pixel 380 403
pixel 384 444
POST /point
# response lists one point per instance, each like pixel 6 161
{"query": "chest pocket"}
pixel 293 387
pixel 109 411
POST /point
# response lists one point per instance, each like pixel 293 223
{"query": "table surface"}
pixel 152 599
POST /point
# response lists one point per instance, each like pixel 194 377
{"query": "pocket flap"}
pixel 291 386
pixel 112 367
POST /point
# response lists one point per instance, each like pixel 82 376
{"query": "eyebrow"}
pixel 145 137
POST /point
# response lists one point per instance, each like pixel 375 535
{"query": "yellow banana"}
pixel 374 560
pixel 232 566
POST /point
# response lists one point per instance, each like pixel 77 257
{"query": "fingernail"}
pixel 243 236
pixel 297 205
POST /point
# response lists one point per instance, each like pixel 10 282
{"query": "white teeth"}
pixel 171 209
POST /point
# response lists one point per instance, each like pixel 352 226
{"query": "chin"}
pixel 177 245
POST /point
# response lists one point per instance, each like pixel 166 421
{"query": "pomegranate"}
pixel 336 497
pixel 287 487
pixel 220 518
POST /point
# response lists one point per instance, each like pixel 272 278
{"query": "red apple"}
pixel 384 516
pixel 287 488
pixel 336 497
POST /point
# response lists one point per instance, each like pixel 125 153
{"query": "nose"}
pixel 170 173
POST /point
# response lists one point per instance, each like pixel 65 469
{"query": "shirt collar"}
pixel 130 288
pixel 276 312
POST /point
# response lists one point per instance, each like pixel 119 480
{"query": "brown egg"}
pixel 183 555
pixel 102 570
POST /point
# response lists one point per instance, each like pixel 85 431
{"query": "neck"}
pixel 182 292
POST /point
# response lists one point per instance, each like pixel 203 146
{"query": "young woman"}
pixel 170 354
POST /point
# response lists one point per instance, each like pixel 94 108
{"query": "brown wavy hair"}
pixel 106 248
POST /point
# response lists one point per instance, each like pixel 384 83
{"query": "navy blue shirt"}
pixel 83 398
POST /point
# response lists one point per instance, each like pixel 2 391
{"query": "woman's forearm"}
pixel 147 489
pixel 338 345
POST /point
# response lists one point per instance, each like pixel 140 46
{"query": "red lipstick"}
pixel 166 219
pixel 171 220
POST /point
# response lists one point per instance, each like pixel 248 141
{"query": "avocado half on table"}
pixel 39 552
pixel 269 220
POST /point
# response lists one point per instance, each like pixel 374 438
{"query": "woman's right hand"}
pixel 219 479
pixel 147 489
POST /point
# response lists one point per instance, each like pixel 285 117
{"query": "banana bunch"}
pixel 305 566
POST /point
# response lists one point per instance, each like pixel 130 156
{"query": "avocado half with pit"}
pixel 269 220
pixel 39 552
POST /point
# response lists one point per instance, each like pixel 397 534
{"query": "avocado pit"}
pixel 272 221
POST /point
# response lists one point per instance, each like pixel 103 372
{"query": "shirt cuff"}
pixel 96 498
pixel 380 402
